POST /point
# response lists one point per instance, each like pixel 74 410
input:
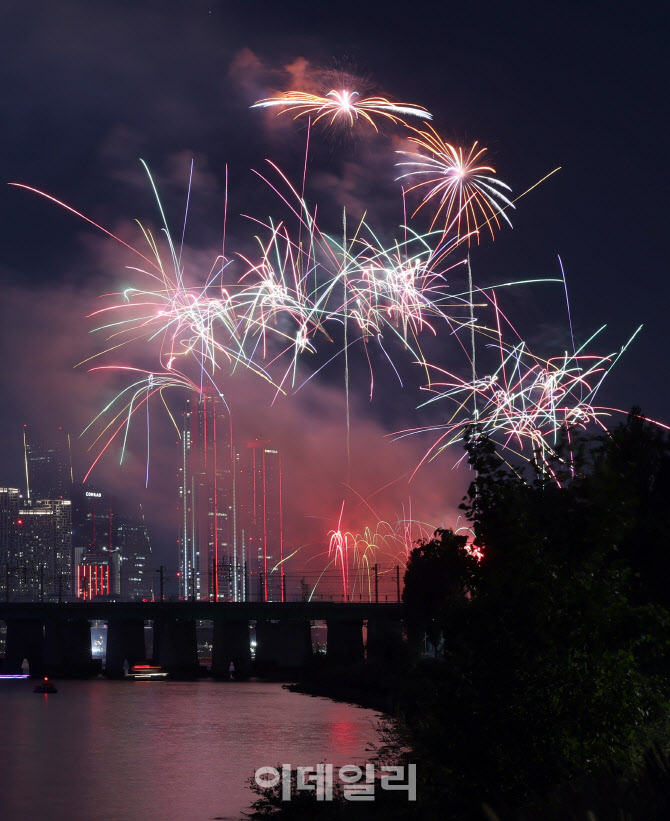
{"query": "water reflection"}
pixel 175 751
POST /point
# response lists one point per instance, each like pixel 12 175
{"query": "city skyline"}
pixel 104 549
pixel 66 539
pixel 280 283
pixel 237 62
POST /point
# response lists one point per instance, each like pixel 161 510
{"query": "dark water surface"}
pixel 175 751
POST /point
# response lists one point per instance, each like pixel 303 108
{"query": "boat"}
pixel 45 686
pixel 146 672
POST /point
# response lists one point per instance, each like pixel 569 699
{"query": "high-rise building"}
pixel 258 520
pixel 10 500
pixel 230 509
pixel 92 520
pixel 94 543
pixel 206 499
pixel 136 568
pixel 43 562
pixel 48 465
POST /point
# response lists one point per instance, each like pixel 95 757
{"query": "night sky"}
pixel 90 88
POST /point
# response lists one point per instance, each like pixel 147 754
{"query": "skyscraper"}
pixel 258 522
pixel 95 550
pixel 136 569
pixel 206 498
pixel 44 553
pixel 92 519
pixel 48 465
pixel 10 499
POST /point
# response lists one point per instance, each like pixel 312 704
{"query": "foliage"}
pixel 633 473
pixel 604 796
pixel 439 572
pixel 556 664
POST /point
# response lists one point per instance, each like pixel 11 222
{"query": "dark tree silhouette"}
pixel 555 660
pixel 439 572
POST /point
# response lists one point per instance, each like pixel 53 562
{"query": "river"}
pixel 174 751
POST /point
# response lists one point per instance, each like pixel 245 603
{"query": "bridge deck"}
pixel 216 611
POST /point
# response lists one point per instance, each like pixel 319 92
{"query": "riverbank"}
pixel 382 685
pixel 400 690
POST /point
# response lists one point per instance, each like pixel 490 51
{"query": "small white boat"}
pixel 146 672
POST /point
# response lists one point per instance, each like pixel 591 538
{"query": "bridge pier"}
pixel 176 646
pixel 125 642
pixel 284 638
pixel 67 648
pixel 231 643
pixel 345 641
pixel 283 645
pixel 384 639
pixel 25 640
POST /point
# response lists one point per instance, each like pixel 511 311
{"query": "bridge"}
pixel 55 638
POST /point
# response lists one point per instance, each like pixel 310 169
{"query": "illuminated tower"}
pixel 258 523
pixel 94 541
pixel 206 499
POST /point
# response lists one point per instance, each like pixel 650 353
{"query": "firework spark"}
pixel 305 282
pixel 342 106
pixel 372 556
pixel 468 196
pixel 303 292
pixel 527 402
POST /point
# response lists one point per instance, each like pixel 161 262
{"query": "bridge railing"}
pixel 373 584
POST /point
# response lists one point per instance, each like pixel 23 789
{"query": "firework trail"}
pixel 372 554
pixel 338 548
pixel 304 295
pixel 527 402
pixel 281 305
pixel 467 195
pixel 305 289
pixel 342 106
pixel 400 290
pixel 120 411
pixel 346 350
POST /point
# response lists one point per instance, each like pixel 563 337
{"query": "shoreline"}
pixel 353 696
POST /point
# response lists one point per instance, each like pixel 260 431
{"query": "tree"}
pixel 439 572
pixel 555 661
pixel 634 472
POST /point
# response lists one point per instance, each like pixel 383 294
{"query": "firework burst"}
pixel 527 403
pixel 304 282
pixel 373 556
pixel 342 106
pixel 468 196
